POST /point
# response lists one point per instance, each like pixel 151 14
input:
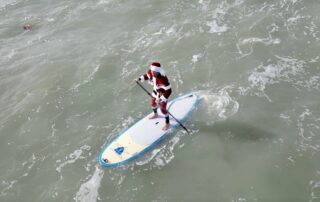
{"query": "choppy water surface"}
pixel 65 91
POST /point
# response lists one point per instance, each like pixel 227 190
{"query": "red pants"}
pixel 163 106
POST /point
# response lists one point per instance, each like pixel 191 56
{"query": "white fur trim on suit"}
pixel 155 95
pixel 155 68
pixel 142 78
pixel 165 87
pixel 163 98
pixel 158 69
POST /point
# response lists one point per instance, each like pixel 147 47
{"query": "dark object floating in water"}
pixel 27 27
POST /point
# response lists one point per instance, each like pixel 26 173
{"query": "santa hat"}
pixel 156 67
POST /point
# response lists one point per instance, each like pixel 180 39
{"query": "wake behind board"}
pixel 146 133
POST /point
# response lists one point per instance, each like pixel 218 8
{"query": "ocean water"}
pixel 66 90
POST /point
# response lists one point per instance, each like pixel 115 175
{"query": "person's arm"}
pixel 144 77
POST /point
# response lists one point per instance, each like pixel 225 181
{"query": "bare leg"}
pixel 154 108
pixel 163 108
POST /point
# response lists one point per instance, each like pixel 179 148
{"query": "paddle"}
pixel 168 111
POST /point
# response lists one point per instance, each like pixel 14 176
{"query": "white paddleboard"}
pixel 146 133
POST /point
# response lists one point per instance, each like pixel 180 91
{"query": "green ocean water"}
pixel 66 90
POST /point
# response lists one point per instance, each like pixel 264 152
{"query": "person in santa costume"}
pixel 156 76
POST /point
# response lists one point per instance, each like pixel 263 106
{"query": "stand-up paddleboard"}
pixel 146 133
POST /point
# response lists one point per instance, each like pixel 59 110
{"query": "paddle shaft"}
pixel 168 111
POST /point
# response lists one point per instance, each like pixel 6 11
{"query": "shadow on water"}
pixel 236 130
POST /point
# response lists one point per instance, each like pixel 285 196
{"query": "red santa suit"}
pixel 161 87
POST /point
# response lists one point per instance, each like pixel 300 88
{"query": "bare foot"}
pixel 153 116
pixel 166 126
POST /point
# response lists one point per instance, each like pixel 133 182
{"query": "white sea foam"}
pixel 204 3
pixel 73 157
pixel 90 127
pixel 147 157
pixel 283 70
pixel 239 200
pixel 195 58
pixel 217 28
pixel 104 2
pixel 128 69
pixel 89 190
pixel 219 106
pixel 8 186
pixel 266 41
pixel 315 191
pixel 89 78
pixel 4 4
pixel 127 122
pixel 162 154
pixel 218 24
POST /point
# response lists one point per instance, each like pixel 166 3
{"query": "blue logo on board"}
pixel 119 150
